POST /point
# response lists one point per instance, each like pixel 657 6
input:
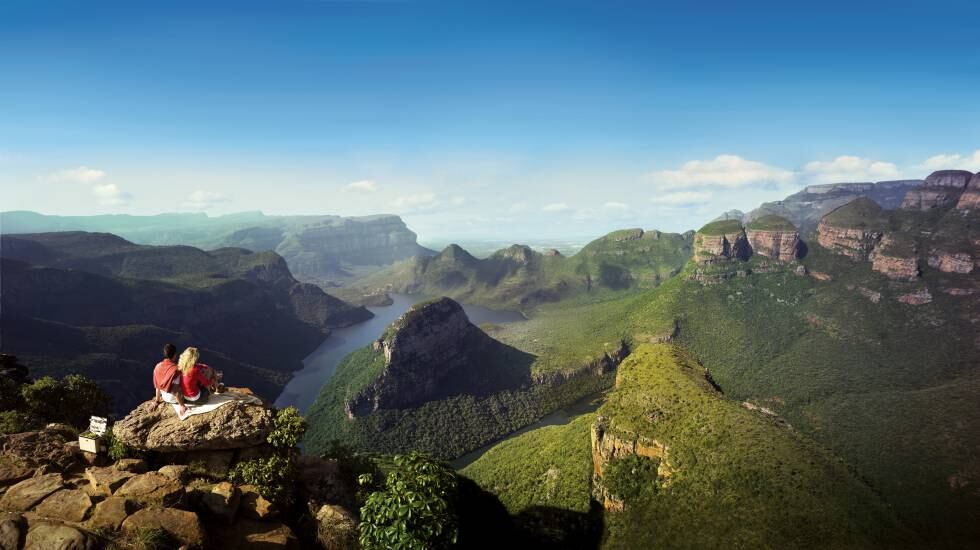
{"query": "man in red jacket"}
pixel 166 377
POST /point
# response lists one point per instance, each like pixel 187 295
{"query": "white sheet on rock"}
pixel 216 400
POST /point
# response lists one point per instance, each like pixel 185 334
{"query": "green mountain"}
pixel 667 451
pixel 520 277
pixel 320 249
pixel 102 306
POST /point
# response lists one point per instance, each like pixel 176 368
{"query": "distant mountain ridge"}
pixel 318 248
pixel 100 305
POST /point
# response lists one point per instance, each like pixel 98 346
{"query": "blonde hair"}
pixel 188 359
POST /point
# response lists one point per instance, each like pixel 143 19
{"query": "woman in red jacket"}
pixel 197 380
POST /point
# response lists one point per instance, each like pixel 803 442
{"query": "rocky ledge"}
pixel 774 237
pixel 853 230
pixel 236 425
pixel 721 241
pixel 895 258
pixel 940 189
pixel 608 446
pixel 952 262
pixel 970 199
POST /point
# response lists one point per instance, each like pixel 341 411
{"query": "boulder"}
pixel 27 451
pixel 184 526
pixel 152 487
pixel 176 472
pixel 10 531
pixel 106 480
pixel 28 493
pixel 232 426
pixel 110 513
pixel 56 536
pixel 67 504
pixel 336 528
pixel 223 501
pixel 248 534
pixel 131 465
pixel 255 506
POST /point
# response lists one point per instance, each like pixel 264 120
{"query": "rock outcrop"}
pixel 773 237
pixel 608 446
pixel 952 262
pixel 970 199
pixel 940 189
pixel 721 241
pixel 895 257
pixel 853 230
pixel 433 351
pixel 237 425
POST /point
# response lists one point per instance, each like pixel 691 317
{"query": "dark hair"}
pixel 170 351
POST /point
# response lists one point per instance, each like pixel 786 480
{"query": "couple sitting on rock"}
pixel 184 380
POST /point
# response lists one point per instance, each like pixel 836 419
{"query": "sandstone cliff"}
pixel 940 189
pixel 970 199
pixel 432 351
pixel 773 237
pixel 853 230
pixel 721 241
pixel 895 257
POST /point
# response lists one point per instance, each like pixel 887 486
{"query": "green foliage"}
pixel 18 421
pixel 10 395
pixel 71 400
pixel 154 538
pixel 771 222
pixel 288 429
pixel 415 509
pixel 117 449
pixel 547 466
pixel 631 477
pixel 721 227
pixel 859 213
pixel 275 477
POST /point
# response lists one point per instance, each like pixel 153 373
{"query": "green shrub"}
pixel 274 477
pixel 71 400
pixel 10 398
pixel 117 449
pixel 18 421
pixel 415 510
pixel 631 477
pixel 288 429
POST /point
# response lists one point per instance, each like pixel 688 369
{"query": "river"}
pixel 303 388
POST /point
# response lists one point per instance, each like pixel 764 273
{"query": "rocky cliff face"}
pixel 970 199
pixel 951 262
pixel 895 258
pixel 778 245
pixel 608 446
pixel 432 351
pixel 714 247
pixel 852 230
pixel 940 189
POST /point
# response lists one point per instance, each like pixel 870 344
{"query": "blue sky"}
pixel 472 119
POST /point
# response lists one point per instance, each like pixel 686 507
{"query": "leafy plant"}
pixel 274 477
pixel 288 429
pixel 631 476
pixel 415 510
pixel 17 421
pixel 71 400
pixel 117 449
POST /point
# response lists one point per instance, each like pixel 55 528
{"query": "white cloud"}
pixel 953 162
pixel 721 171
pixel 364 186
pixel 848 168
pixel 204 200
pixel 81 174
pixel 415 203
pixel 109 194
pixel 612 205
pixel 555 207
pixel 682 198
pixel 518 207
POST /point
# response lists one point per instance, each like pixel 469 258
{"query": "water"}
pixel 560 417
pixel 303 388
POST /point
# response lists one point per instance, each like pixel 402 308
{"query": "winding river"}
pixel 303 388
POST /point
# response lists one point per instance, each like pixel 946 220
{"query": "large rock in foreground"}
pixel 157 428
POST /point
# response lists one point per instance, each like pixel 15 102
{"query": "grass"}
pixel 721 227
pixel 771 222
pixel 859 213
pixel 548 466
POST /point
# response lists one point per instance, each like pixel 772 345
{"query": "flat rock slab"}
pixel 131 465
pixel 176 472
pixel 232 426
pixel 223 501
pixel 106 480
pixel 35 449
pixel 110 513
pixel 184 526
pixel 255 506
pixel 28 493
pixel 245 534
pixel 152 487
pixel 56 536
pixel 67 504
